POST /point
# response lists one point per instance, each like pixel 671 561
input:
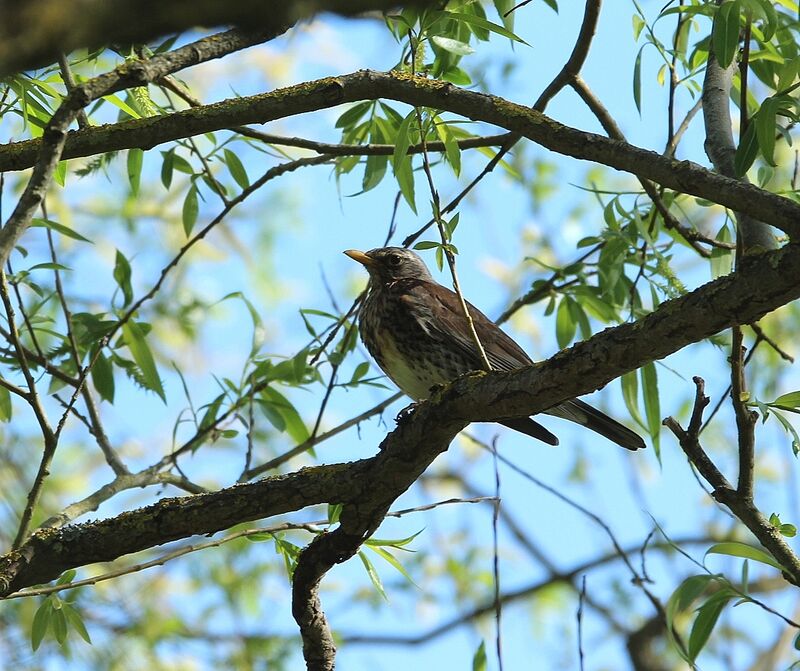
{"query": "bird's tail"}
pixel 530 428
pixel 582 413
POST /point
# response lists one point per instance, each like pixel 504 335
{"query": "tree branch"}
pixel 740 503
pixel 682 176
pixel 721 149
pixel 34 33
pixel 762 284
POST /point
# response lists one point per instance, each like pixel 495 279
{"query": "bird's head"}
pixel 388 264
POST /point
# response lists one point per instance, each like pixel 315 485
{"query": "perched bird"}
pixel 416 330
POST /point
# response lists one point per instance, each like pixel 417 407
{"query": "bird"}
pixel 416 330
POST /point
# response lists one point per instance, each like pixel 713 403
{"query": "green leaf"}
pixel 361 370
pixel 790 400
pixel 637 81
pixel 789 428
pixel 725 34
pixel 453 46
pixel 771 22
pixel 393 542
pixel 683 597
pixel 765 122
pixel 451 148
pixel 135 159
pixel 190 209
pixel 374 171
pixel 479 22
pixel 595 306
pixel 237 169
pixel 747 151
pixel 652 405
pixel 212 410
pixel 565 324
pixel 135 340
pixel 59 622
pixel 5 405
pixel 722 259
pixel 167 166
pixel 76 621
pixel 455 75
pixel 60 228
pixel 351 116
pixel 121 104
pixel 504 11
pixel 122 276
pixel 707 616
pixel 402 141
pixel 66 577
pixel 479 661
pixel 373 574
pixel 292 422
pixel 334 512
pixel 630 393
pixel 735 549
pixel 638 24
pixel 103 377
pixel 405 180
pixel 48 266
pixel 41 623
pixel 392 560
pixel 289 551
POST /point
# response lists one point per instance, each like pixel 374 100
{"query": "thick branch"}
pixel 721 149
pixel 34 33
pixel 682 176
pixel 763 284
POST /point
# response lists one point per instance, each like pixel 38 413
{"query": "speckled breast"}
pixel 396 335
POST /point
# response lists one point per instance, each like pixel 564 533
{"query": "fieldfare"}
pixel 415 329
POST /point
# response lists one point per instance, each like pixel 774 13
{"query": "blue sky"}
pixel 311 222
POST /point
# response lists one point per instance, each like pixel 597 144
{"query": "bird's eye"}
pixel 394 259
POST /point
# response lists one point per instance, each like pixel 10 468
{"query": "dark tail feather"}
pixel 527 426
pixel 582 413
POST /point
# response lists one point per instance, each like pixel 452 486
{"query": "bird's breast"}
pixel 402 346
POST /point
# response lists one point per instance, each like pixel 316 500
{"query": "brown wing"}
pixel 448 323
pixel 439 314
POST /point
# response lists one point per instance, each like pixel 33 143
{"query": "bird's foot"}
pixel 406 413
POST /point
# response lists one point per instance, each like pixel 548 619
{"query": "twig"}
pixel 97 429
pixel 745 419
pixel 519 594
pixel 162 559
pixel 126 75
pixel 448 253
pixel 308 444
pixel 761 335
pixel 572 67
pixel 672 145
pixel 498 604
pixel 614 132
pixel 542 290
pixel 69 84
pixel 724 493
pixel 49 437
pixel 579 617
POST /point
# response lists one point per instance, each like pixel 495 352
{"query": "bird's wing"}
pixel 444 319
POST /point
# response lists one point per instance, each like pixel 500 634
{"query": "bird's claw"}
pixel 405 413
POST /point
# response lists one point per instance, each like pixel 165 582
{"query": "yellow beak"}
pixel 361 257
